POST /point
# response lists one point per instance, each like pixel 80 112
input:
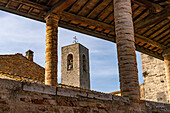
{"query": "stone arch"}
pixel 69 62
pixel 84 63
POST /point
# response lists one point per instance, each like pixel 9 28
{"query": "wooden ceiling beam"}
pixel 32 4
pixel 147 40
pixel 60 6
pixel 149 52
pixel 8 3
pixel 165 3
pixel 22 14
pixel 85 20
pixel 99 8
pixel 151 5
pixel 87 31
pixel 105 26
pixel 49 1
pixel 20 5
pixel 153 18
pixel 108 38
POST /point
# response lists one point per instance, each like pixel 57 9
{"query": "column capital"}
pixel 166 54
pixel 52 19
pixel 166 51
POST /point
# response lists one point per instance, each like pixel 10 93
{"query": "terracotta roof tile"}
pixel 19 65
pixel 21 78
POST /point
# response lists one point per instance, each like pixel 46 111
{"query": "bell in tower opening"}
pixel 70 62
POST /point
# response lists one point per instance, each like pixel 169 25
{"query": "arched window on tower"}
pixel 84 63
pixel 70 62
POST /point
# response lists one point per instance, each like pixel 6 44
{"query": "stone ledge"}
pixel 101 96
pixel 76 93
pixel 10 84
pixel 39 88
pixel 51 90
pixel 71 92
pixel 118 98
pixel 158 106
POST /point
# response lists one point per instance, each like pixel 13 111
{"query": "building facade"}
pixel 75 66
pixel 155 81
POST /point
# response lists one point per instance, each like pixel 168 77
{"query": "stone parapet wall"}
pixel 24 97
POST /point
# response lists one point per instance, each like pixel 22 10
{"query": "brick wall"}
pixel 155 83
pixel 18 97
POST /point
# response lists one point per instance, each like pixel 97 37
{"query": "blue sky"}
pixel 18 34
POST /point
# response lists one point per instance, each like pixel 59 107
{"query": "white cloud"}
pixel 105 72
pixel 19 29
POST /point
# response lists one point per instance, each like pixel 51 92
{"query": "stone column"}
pixel 128 73
pixel 51 57
pixel 166 56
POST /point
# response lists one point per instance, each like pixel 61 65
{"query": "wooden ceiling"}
pixel 95 18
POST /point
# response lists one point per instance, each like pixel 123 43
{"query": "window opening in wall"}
pixel 84 63
pixel 162 81
pixel 70 62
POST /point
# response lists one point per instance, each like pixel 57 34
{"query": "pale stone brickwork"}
pixel 75 73
pixel 23 97
pixel 166 56
pixel 142 92
pixel 155 81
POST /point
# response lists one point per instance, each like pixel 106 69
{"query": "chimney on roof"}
pixel 29 55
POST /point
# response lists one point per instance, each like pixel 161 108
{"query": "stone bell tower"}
pixel 75 66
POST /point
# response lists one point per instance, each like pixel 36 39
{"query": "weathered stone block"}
pixel 71 92
pixel 10 84
pixel 119 98
pixel 101 96
pixel 39 88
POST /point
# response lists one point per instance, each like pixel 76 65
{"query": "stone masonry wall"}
pixel 84 74
pixel 76 76
pixel 18 97
pixel 155 83
pixel 70 77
